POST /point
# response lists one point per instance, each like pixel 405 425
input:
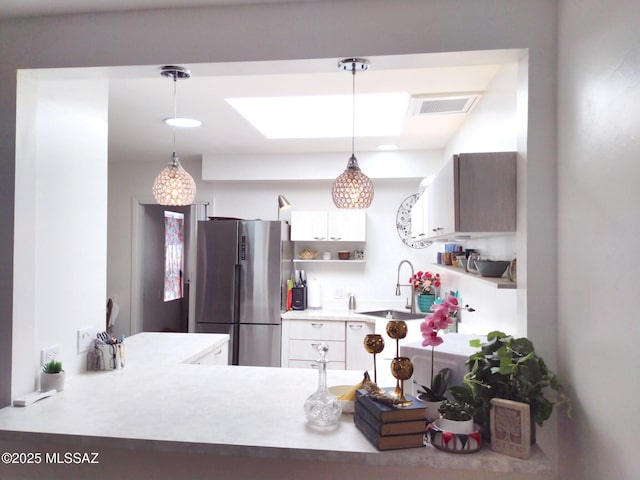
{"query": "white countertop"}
pixel 223 410
pixel 161 348
pixel 328 315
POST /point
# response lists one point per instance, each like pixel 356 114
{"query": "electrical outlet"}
pixel 339 293
pixel 49 353
pixel 85 337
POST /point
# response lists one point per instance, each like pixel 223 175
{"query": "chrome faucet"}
pixel 411 307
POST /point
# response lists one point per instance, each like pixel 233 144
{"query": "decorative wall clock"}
pixel 403 224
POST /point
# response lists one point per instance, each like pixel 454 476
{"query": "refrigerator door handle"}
pixel 235 356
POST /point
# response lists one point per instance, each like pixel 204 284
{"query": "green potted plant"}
pixel 52 376
pixel 433 396
pixel 509 368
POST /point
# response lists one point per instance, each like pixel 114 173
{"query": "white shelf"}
pixel 501 283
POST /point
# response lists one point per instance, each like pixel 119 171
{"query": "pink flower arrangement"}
pixel 424 282
pixel 439 319
pixel 441 316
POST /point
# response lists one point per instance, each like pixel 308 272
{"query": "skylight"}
pixel 324 116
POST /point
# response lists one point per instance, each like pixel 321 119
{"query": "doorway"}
pixel 162 311
pixel 153 309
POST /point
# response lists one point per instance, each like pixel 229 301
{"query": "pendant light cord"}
pixel 175 111
pixel 353 109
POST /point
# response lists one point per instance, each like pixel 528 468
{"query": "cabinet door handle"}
pixel 317 325
pixel 219 352
pixel 355 326
pixel 336 238
pixel 318 238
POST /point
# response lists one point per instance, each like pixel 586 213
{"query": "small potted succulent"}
pixel 455 430
pixel 52 376
pixel 456 417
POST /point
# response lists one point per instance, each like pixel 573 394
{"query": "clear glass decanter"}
pixel 322 408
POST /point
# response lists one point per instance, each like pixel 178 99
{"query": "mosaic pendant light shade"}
pixel 352 189
pixel 173 185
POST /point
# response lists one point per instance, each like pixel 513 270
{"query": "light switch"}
pixel 85 337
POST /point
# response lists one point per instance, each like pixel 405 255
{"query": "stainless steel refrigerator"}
pixel 241 286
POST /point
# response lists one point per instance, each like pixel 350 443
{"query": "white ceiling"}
pixel 138 105
pixel 140 98
pixel 33 8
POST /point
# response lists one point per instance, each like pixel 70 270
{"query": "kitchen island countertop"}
pixel 160 348
pixel 241 417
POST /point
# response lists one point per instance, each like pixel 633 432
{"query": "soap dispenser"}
pixel 352 301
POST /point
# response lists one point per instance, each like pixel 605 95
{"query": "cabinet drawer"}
pixel 306 350
pixel 217 356
pixel 316 330
pixel 313 364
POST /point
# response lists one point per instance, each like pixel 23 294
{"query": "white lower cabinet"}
pixel 357 356
pixel 300 339
pixel 217 356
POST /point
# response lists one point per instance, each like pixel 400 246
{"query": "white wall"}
pixel 492 125
pixel 598 198
pixel 321 30
pixel 60 234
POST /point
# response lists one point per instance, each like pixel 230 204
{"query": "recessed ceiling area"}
pixel 140 99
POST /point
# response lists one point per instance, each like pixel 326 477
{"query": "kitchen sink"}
pixel 396 314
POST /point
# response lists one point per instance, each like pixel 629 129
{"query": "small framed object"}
pixel 510 428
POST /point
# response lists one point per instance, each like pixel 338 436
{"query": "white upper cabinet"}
pixel 474 193
pixel 308 226
pixel 347 226
pixel 337 226
pixel 420 216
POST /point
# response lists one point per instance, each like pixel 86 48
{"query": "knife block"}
pixel 299 298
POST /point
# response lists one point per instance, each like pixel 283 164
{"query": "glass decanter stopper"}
pixel 322 408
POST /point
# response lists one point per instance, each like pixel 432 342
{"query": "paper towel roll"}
pixel 314 294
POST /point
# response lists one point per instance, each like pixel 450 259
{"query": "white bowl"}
pixel 454 442
pixel 337 390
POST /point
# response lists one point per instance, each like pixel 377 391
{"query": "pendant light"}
pixel 353 189
pixel 173 185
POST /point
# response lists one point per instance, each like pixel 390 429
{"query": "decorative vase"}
pixel 432 408
pixel 322 408
pixel 52 381
pixel 425 301
pixel 456 426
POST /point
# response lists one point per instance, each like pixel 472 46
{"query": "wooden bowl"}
pixel 344 254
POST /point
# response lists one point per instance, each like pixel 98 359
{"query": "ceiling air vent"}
pixel 437 104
